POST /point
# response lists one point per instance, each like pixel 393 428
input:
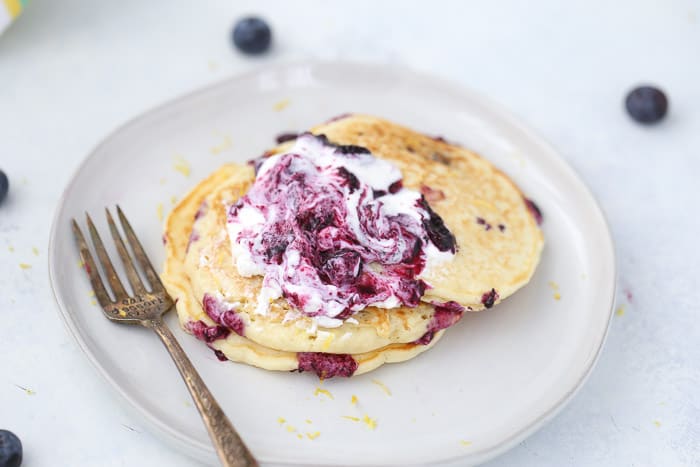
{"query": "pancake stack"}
pixel 498 248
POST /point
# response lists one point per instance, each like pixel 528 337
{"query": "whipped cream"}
pixel 331 229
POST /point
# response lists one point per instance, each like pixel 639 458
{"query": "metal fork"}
pixel 146 308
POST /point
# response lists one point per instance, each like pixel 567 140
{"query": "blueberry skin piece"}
pixel 646 104
pixel 252 35
pixel 4 188
pixel 10 449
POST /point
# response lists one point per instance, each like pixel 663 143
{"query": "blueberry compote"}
pixel 327 365
pixel 446 314
pixel 332 230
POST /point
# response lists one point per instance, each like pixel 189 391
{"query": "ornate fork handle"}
pixel 229 446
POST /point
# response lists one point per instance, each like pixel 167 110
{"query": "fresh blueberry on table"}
pixel 4 186
pixel 252 35
pixel 10 449
pixel 646 104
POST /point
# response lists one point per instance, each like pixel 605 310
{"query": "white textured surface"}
pixel 70 72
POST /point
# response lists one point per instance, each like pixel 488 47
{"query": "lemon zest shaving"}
pixel 182 166
pixel 370 422
pixel 382 386
pixel 281 105
pixel 325 392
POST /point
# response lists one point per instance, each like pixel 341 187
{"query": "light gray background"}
pixel 71 71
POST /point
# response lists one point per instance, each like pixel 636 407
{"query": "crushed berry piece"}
pixel 438 232
pixel 342 267
pixel 489 298
pixel 396 186
pixel 501 227
pixel 220 355
pixel 223 314
pixel 446 315
pixel 327 365
pixel 341 148
pixel 275 245
pixel 310 222
pixel 431 194
pixel 378 193
pixel 164 238
pixel 206 333
pixel 350 178
pixel 284 137
pixel 534 210
pixel 351 149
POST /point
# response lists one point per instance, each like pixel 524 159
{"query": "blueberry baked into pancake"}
pixel 355 244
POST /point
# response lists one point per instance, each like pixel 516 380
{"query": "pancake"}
pixel 498 248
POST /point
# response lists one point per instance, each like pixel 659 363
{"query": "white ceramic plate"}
pixel 495 378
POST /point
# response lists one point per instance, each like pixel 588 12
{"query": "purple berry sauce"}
pixel 220 355
pixel 327 365
pixel 534 210
pixel 206 333
pixel 446 315
pixel 319 215
pixel 223 314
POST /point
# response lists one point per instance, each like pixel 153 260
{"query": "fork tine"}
pixel 151 275
pixel 97 285
pixel 112 277
pixel 131 274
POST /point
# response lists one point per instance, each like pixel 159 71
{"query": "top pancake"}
pixel 478 199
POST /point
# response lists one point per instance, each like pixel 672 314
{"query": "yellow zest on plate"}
pixel 325 392
pixel 182 166
pixel 281 105
pixel 382 386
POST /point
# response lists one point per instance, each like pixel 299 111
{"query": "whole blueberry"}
pixel 252 35
pixel 646 104
pixel 10 449
pixel 4 185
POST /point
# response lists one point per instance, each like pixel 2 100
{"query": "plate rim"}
pixel 188 445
